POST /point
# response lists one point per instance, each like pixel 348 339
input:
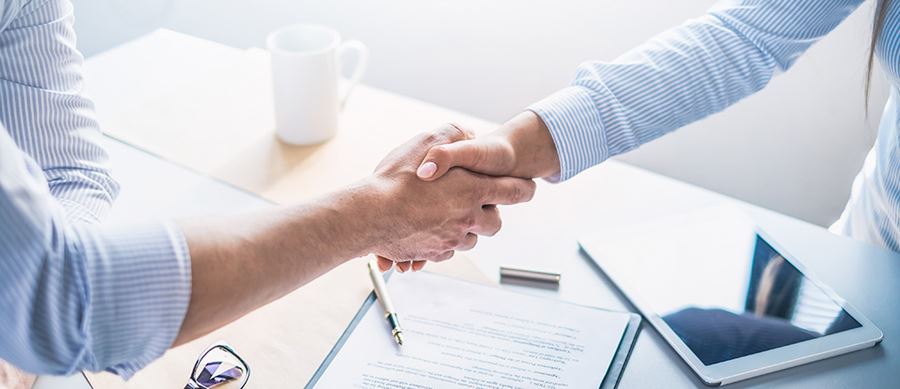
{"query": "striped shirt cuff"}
pixel 140 287
pixel 577 129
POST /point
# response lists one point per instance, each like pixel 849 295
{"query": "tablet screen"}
pixel 721 287
pixel 780 307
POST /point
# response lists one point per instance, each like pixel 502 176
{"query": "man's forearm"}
pixel 141 286
pixel 243 263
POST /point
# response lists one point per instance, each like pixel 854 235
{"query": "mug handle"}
pixel 362 55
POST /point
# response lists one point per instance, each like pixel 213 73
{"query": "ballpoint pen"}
pixel 381 293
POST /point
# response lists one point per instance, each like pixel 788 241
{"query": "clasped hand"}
pixel 445 185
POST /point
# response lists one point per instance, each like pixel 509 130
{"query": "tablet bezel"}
pixel 738 369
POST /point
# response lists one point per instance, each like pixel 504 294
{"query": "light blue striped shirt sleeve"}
pixel 74 294
pixel 681 75
pixel 43 109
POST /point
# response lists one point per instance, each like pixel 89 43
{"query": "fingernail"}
pixel 427 169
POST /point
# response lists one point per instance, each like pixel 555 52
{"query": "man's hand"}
pixel 430 220
pixel 522 147
pixel 259 257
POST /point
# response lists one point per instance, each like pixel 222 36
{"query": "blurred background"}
pixel 794 148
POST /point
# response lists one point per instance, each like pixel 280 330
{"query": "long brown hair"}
pixel 877 26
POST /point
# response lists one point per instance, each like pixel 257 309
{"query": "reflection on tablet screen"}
pixel 780 307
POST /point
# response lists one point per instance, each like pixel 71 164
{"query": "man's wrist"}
pixel 359 211
pixel 533 147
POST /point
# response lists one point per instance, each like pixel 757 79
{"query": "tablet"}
pixel 726 296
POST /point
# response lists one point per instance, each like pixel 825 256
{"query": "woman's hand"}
pixel 522 147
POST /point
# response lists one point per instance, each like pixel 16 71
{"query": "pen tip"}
pixel 399 338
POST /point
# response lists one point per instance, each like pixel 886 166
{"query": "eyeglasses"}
pixel 219 367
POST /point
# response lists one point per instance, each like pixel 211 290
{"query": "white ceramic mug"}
pixel 306 67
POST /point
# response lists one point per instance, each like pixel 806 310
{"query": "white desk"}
pixel 616 194
pixel 172 114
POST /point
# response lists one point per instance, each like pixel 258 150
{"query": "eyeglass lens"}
pixel 220 369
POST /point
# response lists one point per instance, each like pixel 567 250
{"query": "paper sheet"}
pixel 463 335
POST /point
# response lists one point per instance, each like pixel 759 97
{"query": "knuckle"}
pixel 469 222
pixel 433 252
pixel 457 130
pixel 451 243
pixel 523 192
pixel 447 132
pixel 516 193
pixel 532 187
pixel 431 137
pixel 444 256
pixel 439 153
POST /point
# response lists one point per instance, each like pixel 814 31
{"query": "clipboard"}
pixel 617 366
pixel 610 380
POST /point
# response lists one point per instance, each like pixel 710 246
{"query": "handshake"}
pixel 427 199
pixel 438 192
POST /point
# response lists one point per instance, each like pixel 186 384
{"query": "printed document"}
pixel 459 334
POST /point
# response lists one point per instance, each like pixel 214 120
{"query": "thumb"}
pixel 441 159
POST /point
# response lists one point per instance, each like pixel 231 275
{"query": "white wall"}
pixel 794 147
